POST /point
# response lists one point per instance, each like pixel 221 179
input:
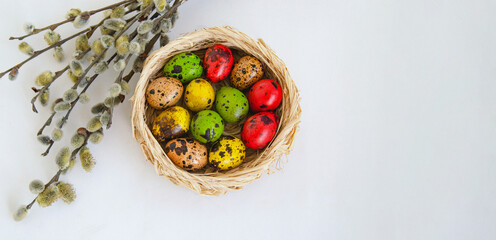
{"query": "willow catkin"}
pixel 210 181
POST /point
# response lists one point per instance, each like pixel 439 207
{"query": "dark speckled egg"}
pixel 184 66
pixel 207 126
pixel 265 95
pixel 259 130
pixel 218 62
pixel 247 71
pixel 171 123
pixel 164 92
pixel 228 153
pixel 231 104
pixel 187 153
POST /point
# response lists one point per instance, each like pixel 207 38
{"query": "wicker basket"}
pixel 209 181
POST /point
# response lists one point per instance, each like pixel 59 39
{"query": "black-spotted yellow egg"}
pixel 171 123
pixel 200 95
pixel 228 153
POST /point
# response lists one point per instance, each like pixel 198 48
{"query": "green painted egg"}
pixel 207 126
pixel 231 104
pixel 184 66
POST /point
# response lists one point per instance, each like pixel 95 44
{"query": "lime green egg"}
pixel 231 104
pixel 184 66
pixel 207 126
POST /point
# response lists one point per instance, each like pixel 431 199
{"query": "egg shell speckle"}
pixel 184 66
pixel 265 95
pixel 172 122
pixel 218 62
pixel 259 129
pixel 247 71
pixel 207 126
pixel 199 95
pixel 231 104
pixel 164 92
pixel 187 153
pixel 228 153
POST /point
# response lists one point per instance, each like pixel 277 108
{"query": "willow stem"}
pixel 56 177
pixel 73 103
pixel 56 25
pixel 47 123
pixel 40 91
pixel 117 80
pixel 89 31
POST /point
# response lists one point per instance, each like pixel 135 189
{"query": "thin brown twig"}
pixel 88 34
pixel 47 123
pixel 56 25
pixel 73 103
pixel 40 91
pixel 89 31
pixel 127 78
pixel 117 80
pixel 66 116
pixel 56 177
pixel 39 52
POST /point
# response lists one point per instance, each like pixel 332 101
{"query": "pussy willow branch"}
pixel 47 123
pixel 40 91
pixel 56 177
pixel 89 31
pixel 174 7
pixel 66 116
pixel 57 74
pixel 56 25
pixel 39 52
pixel 73 103
pixel 128 77
pixel 117 80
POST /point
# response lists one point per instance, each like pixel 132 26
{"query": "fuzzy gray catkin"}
pixel 87 161
pixel 20 213
pixel 70 95
pixel 48 196
pixel 57 134
pixel 94 124
pixel 63 157
pixel 36 186
pixel 115 89
pixel 24 47
pixel 58 53
pixel 77 140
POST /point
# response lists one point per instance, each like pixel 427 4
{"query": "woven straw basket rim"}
pixel 264 161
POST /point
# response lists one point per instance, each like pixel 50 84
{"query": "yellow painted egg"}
pixel 199 95
pixel 171 123
pixel 164 92
pixel 228 153
pixel 187 153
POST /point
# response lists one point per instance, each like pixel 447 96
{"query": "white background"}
pixel 398 139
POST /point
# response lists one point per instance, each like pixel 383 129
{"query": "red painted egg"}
pixel 265 95
pixel 259 130
pixel 218 62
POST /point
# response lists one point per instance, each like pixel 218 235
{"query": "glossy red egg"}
pixel 259 130
pixel 218 62
pixel 265 95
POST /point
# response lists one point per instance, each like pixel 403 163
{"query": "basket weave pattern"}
pixel 210 181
